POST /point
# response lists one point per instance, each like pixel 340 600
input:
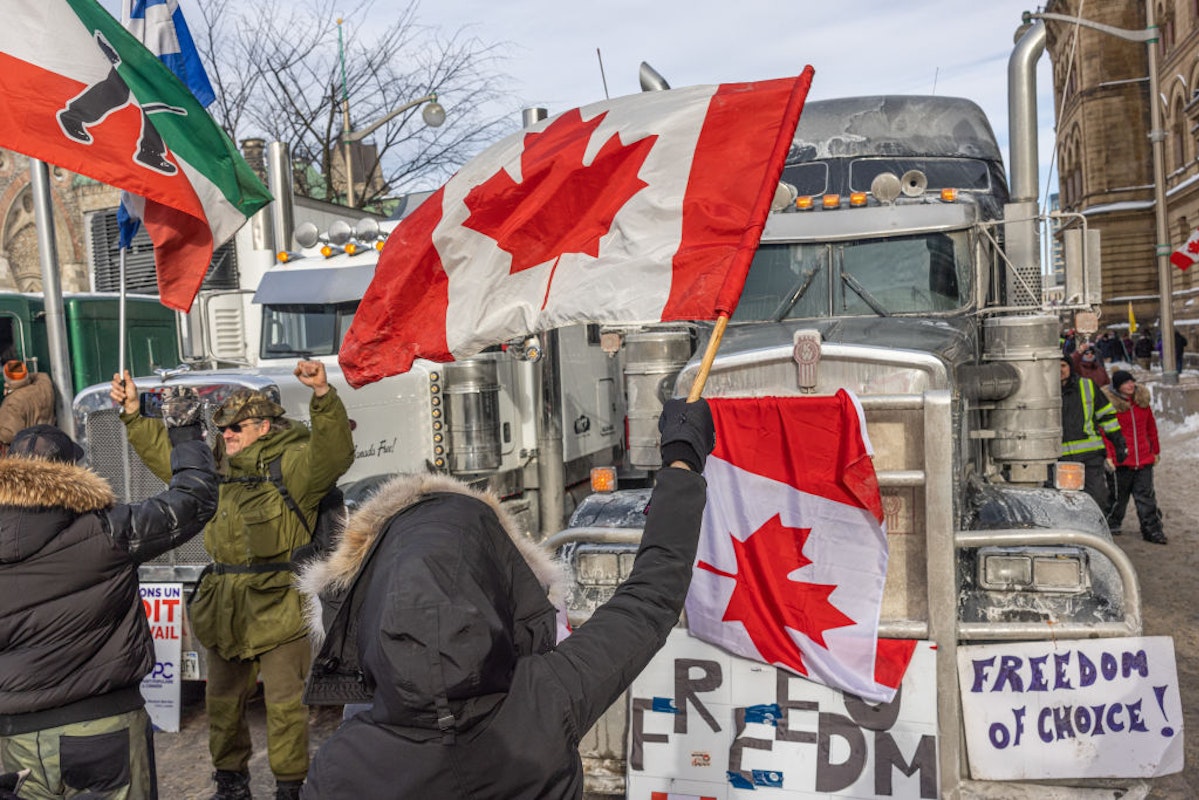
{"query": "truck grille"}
pixel 113 459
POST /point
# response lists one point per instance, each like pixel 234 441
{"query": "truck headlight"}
pixel 602 569
pixel 1062 570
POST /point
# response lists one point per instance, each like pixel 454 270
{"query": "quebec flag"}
pixel 159 25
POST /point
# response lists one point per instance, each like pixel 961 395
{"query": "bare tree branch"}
pixel 278 74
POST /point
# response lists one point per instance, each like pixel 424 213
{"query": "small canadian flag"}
pixel 1186 255
pixel 793 552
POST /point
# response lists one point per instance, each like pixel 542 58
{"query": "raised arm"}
pixel 168 519
pixel 147 437
pixel 310 471
pixel 602 657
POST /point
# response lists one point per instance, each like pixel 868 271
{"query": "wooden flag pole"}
pixel 705 366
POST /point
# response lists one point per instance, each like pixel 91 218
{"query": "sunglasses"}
pixel 236 426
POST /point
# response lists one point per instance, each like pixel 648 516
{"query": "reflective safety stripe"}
pixel 1081 446
pixel 1093 441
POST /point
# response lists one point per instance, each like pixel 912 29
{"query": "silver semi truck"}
pixel 902 265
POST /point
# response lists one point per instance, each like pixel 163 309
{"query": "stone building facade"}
pixel 73 196
pixel 1105 157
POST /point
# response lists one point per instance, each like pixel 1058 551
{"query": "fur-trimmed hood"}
pixel 333 574
pixel 1140 397
pixel 433 597
pixel 38 498
pixel 38 483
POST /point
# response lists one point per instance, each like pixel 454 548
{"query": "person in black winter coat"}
pixel 1143 350
pixel 441 619
pixel 74 641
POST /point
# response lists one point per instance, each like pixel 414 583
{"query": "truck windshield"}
pixel 293 331
pixel 896 275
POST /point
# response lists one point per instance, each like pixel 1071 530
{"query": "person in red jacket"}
pixel 1134 475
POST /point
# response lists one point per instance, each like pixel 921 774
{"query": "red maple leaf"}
pixel 765 599
pixel 1193 247
pixel 561 205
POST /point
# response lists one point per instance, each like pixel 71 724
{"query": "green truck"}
pixel 92 333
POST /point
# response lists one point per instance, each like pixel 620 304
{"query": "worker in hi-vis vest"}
pixel 1087 417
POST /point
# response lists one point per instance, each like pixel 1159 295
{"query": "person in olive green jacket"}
pixel 247 613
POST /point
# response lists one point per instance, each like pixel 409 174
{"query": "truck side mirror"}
pixel 1082 261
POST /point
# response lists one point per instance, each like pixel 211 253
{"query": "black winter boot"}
pixel 288 790
pixel 232 785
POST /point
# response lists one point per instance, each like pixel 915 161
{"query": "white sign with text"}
pixel 1100 708
pixel 163 604
pixel 707 724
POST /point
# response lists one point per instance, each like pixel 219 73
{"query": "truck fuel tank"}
pixel 472 393
pixel 1028 421
pixel 653 359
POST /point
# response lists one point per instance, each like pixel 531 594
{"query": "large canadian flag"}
pixel 793 550
pixel 638 209
pixel 79 91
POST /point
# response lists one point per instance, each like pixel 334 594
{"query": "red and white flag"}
pixel 793 550
pixel 1187 253
pixel 639 209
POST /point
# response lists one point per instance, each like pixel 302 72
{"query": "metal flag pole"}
pixel 56 329
pixel 122 335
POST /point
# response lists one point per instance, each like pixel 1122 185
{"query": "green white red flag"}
pixel 79 91
pixel 638 209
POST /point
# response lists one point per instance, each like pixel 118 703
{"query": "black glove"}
pixel 183 414
pixel 687 432
pixel 1121 453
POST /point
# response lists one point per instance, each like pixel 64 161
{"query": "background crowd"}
pixel 1108 423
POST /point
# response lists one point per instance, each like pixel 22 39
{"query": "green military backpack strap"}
pixel 330 516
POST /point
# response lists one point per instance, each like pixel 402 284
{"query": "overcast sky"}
pixel 858 47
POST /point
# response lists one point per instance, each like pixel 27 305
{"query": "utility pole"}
pixel 1157 135
pixel 345 117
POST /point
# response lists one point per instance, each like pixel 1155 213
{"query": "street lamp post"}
pixel 433 114
pixel 1157 136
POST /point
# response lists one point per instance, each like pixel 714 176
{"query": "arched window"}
pixel 1178 136
pixel 1070 170
pixel 1165 22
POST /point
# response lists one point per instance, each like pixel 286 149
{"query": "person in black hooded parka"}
pixel 441 619
pixel 74 641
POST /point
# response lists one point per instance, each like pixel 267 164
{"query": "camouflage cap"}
pixel 246 404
